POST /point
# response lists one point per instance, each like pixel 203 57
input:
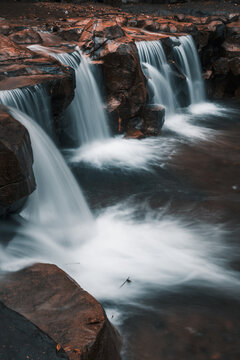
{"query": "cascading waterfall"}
pixel 187 58
pixel 57 203
pixel 161 80
pixel 33 101
pixel 87 114
pixel 159 74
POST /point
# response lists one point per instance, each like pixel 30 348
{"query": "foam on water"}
pixel 157 251
pixel 122 153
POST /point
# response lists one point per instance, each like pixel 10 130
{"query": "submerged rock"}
pixel 16 159
pixel 62 309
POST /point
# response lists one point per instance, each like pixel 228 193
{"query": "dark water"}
pixel 200 185
pixel 167 214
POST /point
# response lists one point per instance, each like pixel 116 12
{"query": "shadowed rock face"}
pixel 59 307
pixel 16 160
pixel 20 339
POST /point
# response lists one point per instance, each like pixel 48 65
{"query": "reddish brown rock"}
pixel 134 134
pixel 50 299
pixel 71 34
pixel 26 36
pixel 20 339
pixel 123 78
pixel 231 50
pixel 9 50
pixel 233 28
pixel 16 159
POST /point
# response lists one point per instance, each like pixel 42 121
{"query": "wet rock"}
pixel 59 307
pixel 233 29
pixel 20 339
pixel 123 78
pixel 153 119
pixel 20 67
pixel 221 66
pixel 231 50
pixel 26 36
pixel 9 50
pixel 71 34
pixel 16 159
pixel 108 29
pixel 134 134
pixel 235 66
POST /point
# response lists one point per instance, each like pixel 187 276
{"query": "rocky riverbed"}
pixel 41 301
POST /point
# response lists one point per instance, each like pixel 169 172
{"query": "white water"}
pixel 187 57
pixel 159 74
pixel 86 112
pixel 57 206
pixel 33 101
pixel 157 251
pixel 161 81
pixel 124 154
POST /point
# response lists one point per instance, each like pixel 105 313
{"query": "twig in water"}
pixel 126 281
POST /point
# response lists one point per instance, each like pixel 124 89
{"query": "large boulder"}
pixel 124 79
pixel 153 119
pixel 20 339
pixel 55 303
pixel 16 160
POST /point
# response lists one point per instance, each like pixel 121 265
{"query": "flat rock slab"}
pixel 21 340
pixel 49 298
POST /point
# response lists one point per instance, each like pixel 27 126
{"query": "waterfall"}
pixel 33 101
pixel 161 77
pixel 58 201
pixel 187 58
pixel 87 114
pixel 158 73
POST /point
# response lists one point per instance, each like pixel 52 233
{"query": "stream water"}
pixel 163 254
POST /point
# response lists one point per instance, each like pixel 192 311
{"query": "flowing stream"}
pixel 86 112
pixel 33 101
pixel 158 222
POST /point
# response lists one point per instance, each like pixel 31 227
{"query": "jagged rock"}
pixel 231 50
pixel 16 160
pixel 235 66
pixel 221 66
pixel 20 67
pixel 20 339
pixel 26 36
pixel 59 307
pixel 233 28
pixel 71 34
pixel 9 50
pixel 123 78
pixel 153 119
